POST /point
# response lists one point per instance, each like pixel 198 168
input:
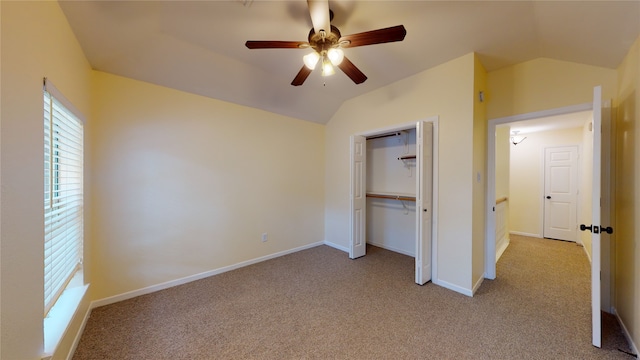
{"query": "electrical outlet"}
pixel 264 237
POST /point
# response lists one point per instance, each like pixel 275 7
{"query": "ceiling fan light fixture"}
pixel 327 69
pixel 311 59
pixel 335 55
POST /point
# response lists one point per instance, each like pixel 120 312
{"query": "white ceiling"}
pixel 198 46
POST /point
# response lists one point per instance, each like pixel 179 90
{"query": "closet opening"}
pixel 392 193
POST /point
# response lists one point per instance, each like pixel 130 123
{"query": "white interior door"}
pixel 424 200
pixel 358 196
pixel 561 192
pixel 595 218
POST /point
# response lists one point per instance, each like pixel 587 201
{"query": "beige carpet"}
pixel 318 304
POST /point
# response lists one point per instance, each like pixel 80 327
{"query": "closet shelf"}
pixel 405 157
pixel 392 197
pixel 396 133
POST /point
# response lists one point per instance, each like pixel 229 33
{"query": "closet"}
pixel 392 193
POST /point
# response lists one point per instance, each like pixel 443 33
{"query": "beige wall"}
pixel 627 194
pixel 184 184
pixel 544 84
pixel 445 91
pixel 525 178
pixel 479 170
pixel 36 42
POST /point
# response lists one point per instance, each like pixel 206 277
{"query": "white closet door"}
pixel 358 243
pixel 424 200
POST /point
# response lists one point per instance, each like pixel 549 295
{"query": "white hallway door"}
pixel 561 192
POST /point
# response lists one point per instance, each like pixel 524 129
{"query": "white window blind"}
pixel 63 196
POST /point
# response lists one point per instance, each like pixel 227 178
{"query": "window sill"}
pixel 59 317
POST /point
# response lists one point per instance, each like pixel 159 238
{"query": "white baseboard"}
pixel 450 286
pixel 586 252
pixel 391 248
pixel 336 246
pixel 188 279
pixel 525 234
pixel 634 348
pixel 477 285
pixel 503 246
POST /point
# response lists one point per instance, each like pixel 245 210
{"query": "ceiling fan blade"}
pixel 276 44
pixel 303 74
pixel 390 34
pixel 319 11
pixel 352 71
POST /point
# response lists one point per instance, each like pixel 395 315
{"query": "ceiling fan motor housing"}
pixel 323 41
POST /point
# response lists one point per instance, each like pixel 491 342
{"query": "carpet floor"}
pixel 318 304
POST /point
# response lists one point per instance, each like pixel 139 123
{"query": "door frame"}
pixel 434 221
pixel 601 110
pixel 490 191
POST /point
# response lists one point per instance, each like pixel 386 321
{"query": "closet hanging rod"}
pixel 392 197
pixel 397 133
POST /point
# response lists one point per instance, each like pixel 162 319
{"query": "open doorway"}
pixel 600 191
pixel 543 176
pixel 500 144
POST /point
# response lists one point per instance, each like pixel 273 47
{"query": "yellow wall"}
pixel 479 170
pixel 544 84
pixel 445 91
pixel 627 193
pixel 36 42
pixel 526 187
pixel 184 184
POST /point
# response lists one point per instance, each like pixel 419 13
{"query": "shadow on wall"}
pixel 626 269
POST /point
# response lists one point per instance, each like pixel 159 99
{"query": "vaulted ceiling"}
pixel 198 46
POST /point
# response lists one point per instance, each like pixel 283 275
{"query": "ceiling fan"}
pixel 327 43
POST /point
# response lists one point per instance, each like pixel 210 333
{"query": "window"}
pixel 63 194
